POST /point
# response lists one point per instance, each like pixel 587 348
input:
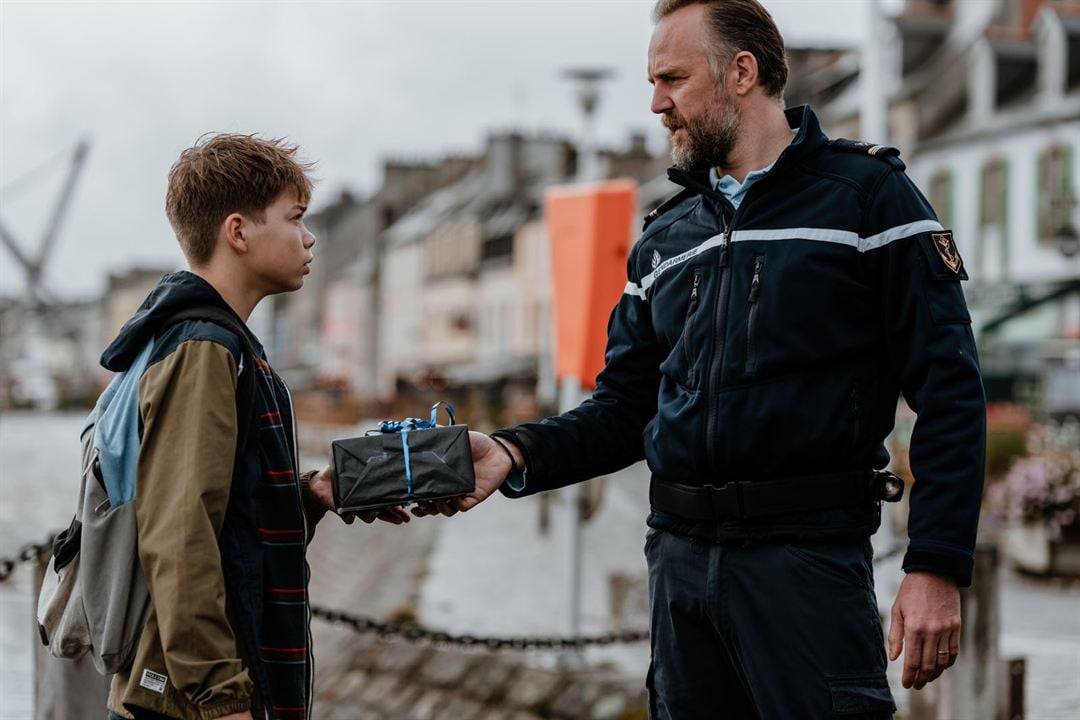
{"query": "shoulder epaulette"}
pixel 887 153
pixel 665 206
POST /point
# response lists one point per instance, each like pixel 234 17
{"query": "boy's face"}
pixel 279 249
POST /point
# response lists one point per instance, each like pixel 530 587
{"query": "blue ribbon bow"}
pixel 405 427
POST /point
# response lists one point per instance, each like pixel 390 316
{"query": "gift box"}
pixel 403 462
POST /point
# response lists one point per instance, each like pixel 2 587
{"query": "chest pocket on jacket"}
pixel 753 303
pixel 681 364
pixel 943 269
pixel 687 334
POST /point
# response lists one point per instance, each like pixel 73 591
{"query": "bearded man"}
pixel 775 310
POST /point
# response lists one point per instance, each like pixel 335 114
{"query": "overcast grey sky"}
pixel 350 82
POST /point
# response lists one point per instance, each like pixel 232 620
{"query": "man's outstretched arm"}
pixel 603 434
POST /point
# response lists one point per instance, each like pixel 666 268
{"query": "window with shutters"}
pixel 992 246
pixel 1056 196
pixel 941 197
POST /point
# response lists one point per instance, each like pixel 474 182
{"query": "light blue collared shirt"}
pixel 732 189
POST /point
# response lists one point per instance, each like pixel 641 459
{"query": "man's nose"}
pixel 309 239
pixel 661 101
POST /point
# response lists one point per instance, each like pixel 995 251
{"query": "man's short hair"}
pixel 224 173
pixel 737 25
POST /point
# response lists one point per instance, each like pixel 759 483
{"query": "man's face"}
pixel 696 108
pixel 279 248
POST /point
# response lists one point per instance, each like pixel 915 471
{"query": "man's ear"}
pixel 745 70
pixel 234 227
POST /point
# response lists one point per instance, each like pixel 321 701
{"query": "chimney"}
pixel 503 160
pixel 1028 10
pixel 1052 43
pixel 982 81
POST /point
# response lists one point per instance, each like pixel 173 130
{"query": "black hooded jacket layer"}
pixel 223 518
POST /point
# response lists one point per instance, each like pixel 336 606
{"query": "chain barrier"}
pixel 28 553
pixel 411 632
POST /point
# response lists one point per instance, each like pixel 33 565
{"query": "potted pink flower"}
pixel 1039 502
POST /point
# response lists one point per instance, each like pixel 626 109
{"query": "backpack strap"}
pixel 245 390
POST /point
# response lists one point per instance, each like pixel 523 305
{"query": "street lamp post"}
pixel 588 81
pixel 571 389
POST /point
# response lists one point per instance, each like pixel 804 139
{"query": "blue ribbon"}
pixel 407 425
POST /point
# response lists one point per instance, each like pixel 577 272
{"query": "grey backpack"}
pixel 94 597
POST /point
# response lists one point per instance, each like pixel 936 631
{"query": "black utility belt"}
pixel 744 500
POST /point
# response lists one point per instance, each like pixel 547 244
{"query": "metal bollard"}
pixel 1015 671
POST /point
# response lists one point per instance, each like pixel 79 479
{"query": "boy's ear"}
pixel 234 227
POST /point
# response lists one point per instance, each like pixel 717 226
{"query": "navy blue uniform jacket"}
pixel 773 341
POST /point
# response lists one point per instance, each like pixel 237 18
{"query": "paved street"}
pixel 486 572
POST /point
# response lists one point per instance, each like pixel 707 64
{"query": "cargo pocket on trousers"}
pixel 865 695
pixel 844 560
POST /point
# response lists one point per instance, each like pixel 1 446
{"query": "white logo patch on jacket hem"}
pixel 153 681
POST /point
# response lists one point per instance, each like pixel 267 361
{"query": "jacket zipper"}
pixel 716 359
pixel 856 411
pixel 690 311
pixel 307 568
pixel 751 318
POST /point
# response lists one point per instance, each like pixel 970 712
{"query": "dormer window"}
pixel 941 196
pixel 992 243
pixel 1056 197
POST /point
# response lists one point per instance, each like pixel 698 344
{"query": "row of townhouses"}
pixel 447 293
pixel 438 284
pixel 983 98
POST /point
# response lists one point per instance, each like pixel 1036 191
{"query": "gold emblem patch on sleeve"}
pixel 946 248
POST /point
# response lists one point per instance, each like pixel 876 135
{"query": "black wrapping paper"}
pixel 370 472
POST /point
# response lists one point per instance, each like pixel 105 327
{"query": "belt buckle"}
pixel 720 498
pixel 740 500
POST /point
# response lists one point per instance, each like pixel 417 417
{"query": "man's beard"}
pixel 709 140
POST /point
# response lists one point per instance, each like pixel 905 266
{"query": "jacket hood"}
pixel 174 292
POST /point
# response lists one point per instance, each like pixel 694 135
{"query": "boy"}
pixel 223 515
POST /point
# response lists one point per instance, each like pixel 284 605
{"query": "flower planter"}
pixel 1030 548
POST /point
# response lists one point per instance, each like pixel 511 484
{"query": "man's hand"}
pixel 491 465
pixel 322 487
pixel 926 621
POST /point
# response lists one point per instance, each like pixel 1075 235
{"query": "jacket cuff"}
pixel 313 509
pixel 954 566
pixel 516 485
pixel 224 709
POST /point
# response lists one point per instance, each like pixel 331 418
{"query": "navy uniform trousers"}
pixel 764 631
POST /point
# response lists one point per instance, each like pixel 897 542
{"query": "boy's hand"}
pixel 395 515
pixel 322 487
